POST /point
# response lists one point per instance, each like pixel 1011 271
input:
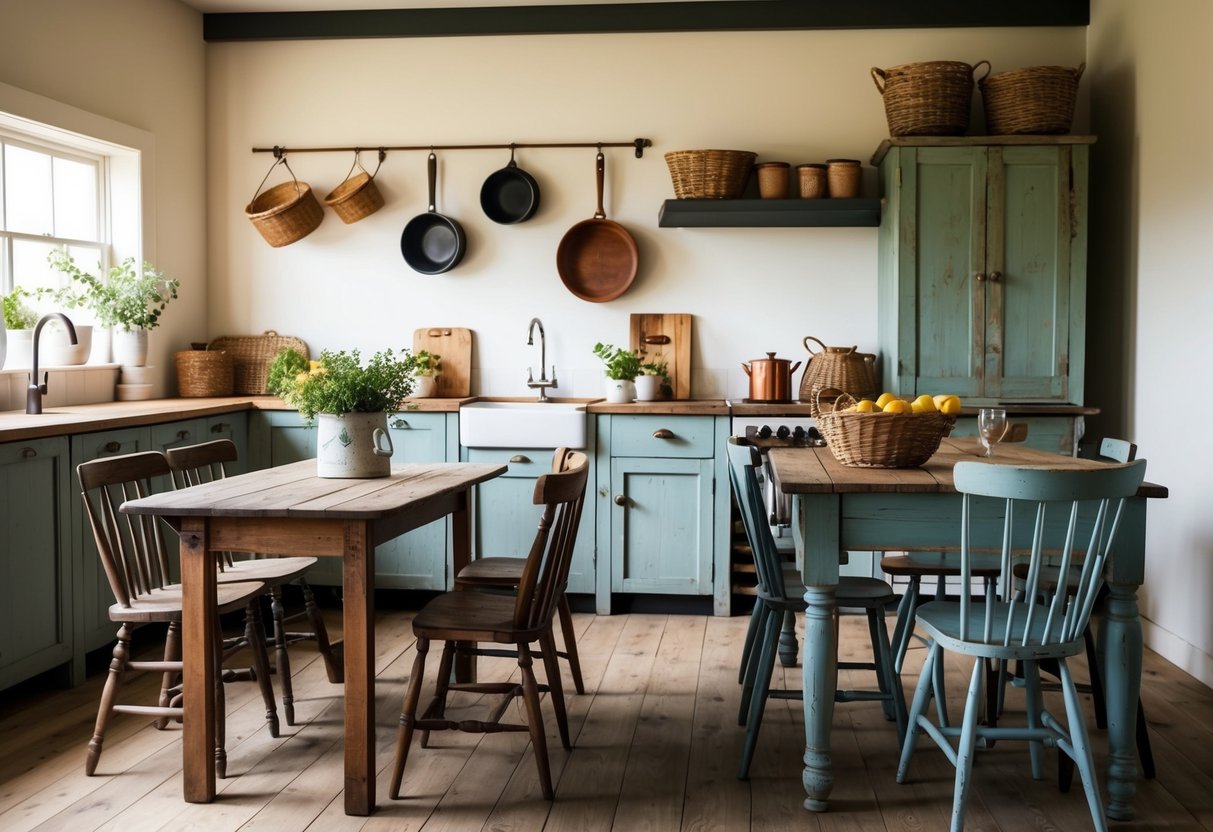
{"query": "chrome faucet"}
pixel 33 396
pixel 543 384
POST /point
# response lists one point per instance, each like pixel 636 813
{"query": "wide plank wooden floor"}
pixel 656 746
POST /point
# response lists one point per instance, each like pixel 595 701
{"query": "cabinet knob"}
pixel 995 277
pixel 621 500
pixel 663 433
pixel 183 434
pixel 113 447
pixel 28 453
pixel 399 423
pixel 981 278
pixel 220 427
pixel 520 459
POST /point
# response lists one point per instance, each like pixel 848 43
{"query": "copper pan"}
pixel 597 258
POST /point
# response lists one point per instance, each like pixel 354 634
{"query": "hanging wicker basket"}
pixel 1034 100
pixel 932 98
pixel 252 356
pixel 358 196
pixel 204 373
pixel 709 174
pixel 285 213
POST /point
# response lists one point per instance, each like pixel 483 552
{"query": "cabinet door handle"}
pixel 113 447
pixel 28 453
pixel 663 433
pixel 520 459
pixel 221 427
pixel 399 423
pixel 183 434
pixel 981 278
pixel 621 500
pixel 995 277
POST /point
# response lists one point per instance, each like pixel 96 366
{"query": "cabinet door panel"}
pixel 416 560
pixel 661 535
pixel 949 233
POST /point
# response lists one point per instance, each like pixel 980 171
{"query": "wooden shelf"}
pixel 769 213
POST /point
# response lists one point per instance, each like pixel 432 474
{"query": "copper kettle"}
pixel 770 378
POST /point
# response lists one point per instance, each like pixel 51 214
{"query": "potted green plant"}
pixel 652 381
pixel 349 402
pixel 622 367
pixel 17 333
pixel 130 301
pixel 426 373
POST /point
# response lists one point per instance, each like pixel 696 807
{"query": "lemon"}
pixel 865 406
pixel 884 399
pixel 898 406
pixel 939 400
pixel 923 404
pixel 950 406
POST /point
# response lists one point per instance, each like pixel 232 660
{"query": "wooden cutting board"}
pixel 454 345
pixel 665 337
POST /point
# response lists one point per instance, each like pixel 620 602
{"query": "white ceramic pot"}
pixel 130 347
pixel 353 446
pixel 57 349
pixel 138 375
pixel 648 388
pixel 620 391
pixel 424 387
pixel 20 349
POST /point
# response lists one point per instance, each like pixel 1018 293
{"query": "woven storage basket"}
pixel 202 373
pixel 285 213
pixel 881 440
pixel 927 99
pixel 1035 99
pixel 355 198
pixel 709 174
pixel 252 356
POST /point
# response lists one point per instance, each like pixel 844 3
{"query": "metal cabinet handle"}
pixel 981 278
pixel 520 459
pixel 183 434
pixel 995 277
pixel 28 453
pixel 113 447
pixel 663 433
pixel 221 427
pixel 399 423
pixel 621 500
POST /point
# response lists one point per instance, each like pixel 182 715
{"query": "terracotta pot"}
pixel 770 378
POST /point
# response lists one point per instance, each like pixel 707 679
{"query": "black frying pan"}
pixel 509 195
pixel 432 243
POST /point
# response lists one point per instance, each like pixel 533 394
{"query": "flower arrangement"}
pixel 338 383
pixel 128 298
pixel 621 364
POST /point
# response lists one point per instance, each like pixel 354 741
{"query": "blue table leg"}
pixel 1122 668
pixel 818 518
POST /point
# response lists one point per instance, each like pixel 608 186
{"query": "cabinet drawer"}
pixel 662 436
pixel 523 462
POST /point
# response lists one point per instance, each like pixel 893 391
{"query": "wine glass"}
pixel 992 426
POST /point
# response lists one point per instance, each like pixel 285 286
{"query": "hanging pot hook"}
pixel 512 163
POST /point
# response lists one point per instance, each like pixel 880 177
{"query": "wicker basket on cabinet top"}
pixel 1034 100
pixel 932 98
pixel 252 356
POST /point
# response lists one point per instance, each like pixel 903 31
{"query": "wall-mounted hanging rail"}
pixel 639 144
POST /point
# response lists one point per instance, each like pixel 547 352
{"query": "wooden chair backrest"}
pixel 546 572
pixel 744 462
pixel 202 463
pixel 130 546
pixel 1059 553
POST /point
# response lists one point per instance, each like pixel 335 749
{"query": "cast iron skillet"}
pixel 509 195
pixel 597 258
pixel 432 243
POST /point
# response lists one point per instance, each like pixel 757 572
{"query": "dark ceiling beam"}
pixel 691 16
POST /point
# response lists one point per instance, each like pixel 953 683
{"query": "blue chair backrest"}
pixel 743 462
pixel 1068 520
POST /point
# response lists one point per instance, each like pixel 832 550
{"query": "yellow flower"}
pixel 301 378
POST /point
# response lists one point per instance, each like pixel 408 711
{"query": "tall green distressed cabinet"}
pixel 982 267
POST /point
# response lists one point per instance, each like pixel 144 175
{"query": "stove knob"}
pixel 783 432
pixel 798 433
pixel 764 432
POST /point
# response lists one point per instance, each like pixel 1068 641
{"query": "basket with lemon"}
pixel 889 432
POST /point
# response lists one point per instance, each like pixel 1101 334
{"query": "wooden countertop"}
pixel 669 407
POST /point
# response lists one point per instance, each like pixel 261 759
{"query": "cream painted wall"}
pixel 794 96
pixel 140 63
pixel 1151 324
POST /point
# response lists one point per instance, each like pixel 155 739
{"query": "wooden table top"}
pixel 816 471
pixel 295 491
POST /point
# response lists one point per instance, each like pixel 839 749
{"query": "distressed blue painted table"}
pixel 841 509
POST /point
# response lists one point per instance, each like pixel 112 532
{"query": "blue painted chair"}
pixel 1064 520
pixel 779 594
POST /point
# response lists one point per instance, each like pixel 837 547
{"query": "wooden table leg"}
pixel 461 555
pixel 818 517
pixel 198 637
pixel 358 578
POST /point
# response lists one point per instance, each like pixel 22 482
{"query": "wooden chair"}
pixel 520 620
pixel 778 595
pixel 506 572
pixel 1031 625
pixel 205 462
pixel 134 559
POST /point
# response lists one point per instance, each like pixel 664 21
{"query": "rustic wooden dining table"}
pixel 846 509
pixel 289 510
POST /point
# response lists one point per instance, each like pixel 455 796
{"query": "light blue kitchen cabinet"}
pixel 505 517
pixel 662 515
pixel 982 268
pixel 233 426
pixel 417 560
pixel 36 588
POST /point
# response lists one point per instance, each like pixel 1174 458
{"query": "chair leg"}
pixel 938 685
pixel 442 687
pixel 408 717
pixel 281 657
pixel 551 666
pixel 333 663
pixel 765 666
pixel 220 708
pixel 882 676
pixel 254 634
pixel 753 663
pixel 570 642
pixel 1035 704
pixel 172 653
pixel 109 695
pixel 967 745
pixel 1143 744
pixel 918 707
pixel 534 717
pixel 884 658
pixel 747 647
pixel 1082 749
pixel 906 616
pixel 1097 697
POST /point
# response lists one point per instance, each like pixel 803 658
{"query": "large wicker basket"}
pixel 709 174
pixel 202 373
pixel 252 356
pixel 355 198
pixel 1035 99
pixel 881 440
pixel 932 98
pixel 286 212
